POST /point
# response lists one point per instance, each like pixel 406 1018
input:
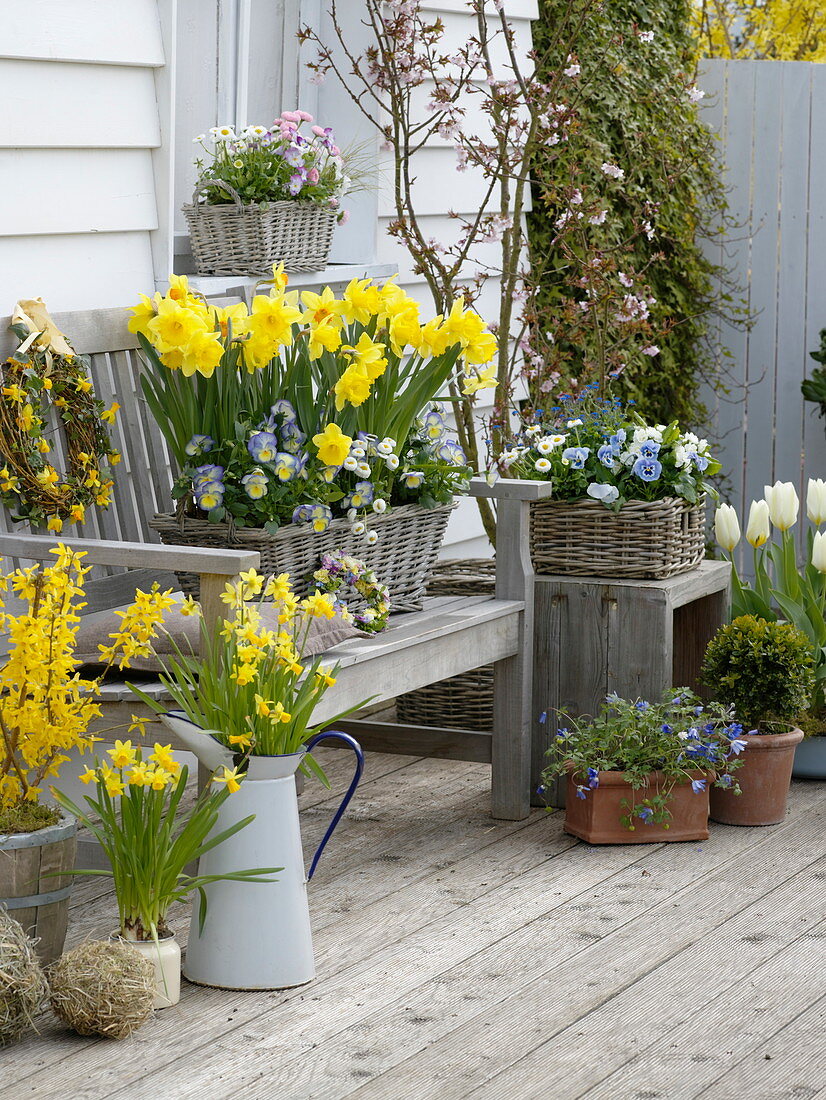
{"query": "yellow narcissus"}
pixel 323 337
pixel 361 301
pixel 333 445
pixel 368 356
pixel 174 326
pixel 203 353
pixel 323 308
pixel 352 387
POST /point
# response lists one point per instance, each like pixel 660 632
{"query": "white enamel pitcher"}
pixel 256 935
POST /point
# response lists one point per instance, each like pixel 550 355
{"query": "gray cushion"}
pixel 95 629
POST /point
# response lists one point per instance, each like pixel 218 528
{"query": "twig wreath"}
pixel 43 372
pixel 337 571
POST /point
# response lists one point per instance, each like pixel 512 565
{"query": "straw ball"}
pixel 103 987
pixel 22 985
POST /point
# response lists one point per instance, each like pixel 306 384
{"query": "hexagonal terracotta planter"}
pixel 596 818
pixel 764 780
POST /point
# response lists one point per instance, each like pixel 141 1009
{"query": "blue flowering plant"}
pixel 275 163
pixel 597 449
pixel 681 738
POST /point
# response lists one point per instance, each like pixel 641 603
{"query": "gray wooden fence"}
pixel 771 119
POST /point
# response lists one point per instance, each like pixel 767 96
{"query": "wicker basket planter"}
pixel 464 701
pixel 646 540
pixel 403 558
pixel 33 895
pixel 247 239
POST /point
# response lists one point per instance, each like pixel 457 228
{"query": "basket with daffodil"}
pixel 304 425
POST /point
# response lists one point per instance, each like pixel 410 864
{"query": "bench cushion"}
pixel 183 631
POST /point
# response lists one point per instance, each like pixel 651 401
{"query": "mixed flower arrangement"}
pixel 678 737
pixel 337 572
pixel 590 447
pixel 265 164
pixel 282 414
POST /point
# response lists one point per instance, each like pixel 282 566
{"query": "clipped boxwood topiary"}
pixel 764 669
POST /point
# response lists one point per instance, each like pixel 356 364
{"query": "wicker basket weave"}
pixel 247 239
pixel 651 540
pixel 403 558
pixel 464 701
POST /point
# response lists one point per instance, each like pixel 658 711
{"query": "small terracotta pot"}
pixel 764 780
pixel 596 818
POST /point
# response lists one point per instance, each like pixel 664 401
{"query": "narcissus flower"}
pixel 333 445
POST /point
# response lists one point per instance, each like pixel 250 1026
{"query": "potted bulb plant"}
pixel 765 672
pixel 45 714
pixel 134 813
pixel 641 772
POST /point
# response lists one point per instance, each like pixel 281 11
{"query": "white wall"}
pixel 79 141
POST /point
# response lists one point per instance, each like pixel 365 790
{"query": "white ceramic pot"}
pixel 165 956
pixel 257 934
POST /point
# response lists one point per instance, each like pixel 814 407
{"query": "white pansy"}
pixel 681 458
pixel 606 493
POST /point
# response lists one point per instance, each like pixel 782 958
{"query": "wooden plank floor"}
pixel 462 957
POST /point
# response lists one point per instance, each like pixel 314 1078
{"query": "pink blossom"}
pixel 652 349
pixel 343 217
pixel 304 116
pixel 598 219
pixel 576 198
pixel 625 280
pixel 317 78
pixel 335 151
pixel 313 176
pixel 613 170
pixel 291 116
pixel 318 131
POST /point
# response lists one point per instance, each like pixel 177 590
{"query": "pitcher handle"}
pixel 356 747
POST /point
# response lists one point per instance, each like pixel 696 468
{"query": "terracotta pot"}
pixel 764 780
pixel 596 818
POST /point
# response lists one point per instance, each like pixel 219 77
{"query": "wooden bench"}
pixel 447 637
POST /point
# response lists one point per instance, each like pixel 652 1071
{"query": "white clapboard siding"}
pixel 112 190
pixel 771 117
pixel 82 166
pixel 82 30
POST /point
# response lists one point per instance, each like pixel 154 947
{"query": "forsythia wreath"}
pixel 46 371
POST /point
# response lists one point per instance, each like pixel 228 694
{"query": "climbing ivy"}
pixel 638 115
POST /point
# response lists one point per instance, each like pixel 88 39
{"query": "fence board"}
pixel 773 148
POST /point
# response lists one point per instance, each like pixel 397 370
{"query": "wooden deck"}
pixel 462 957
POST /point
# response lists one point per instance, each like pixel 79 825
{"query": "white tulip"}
pixel 819 552
pixel 758 529
pixel 816 500
pixel 783 504
pixel 726 527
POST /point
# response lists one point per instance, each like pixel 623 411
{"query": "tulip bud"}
pixel 783 504
pixel 819 552
pixel 816 501
pixel 726 527
pixel 758 529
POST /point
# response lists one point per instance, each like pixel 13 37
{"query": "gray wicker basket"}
pixel 653 540
pixel 247 239
pixel 403 558
pixel 464 701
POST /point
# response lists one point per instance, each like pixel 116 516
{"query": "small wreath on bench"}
pixel 30 485
pixel 337 571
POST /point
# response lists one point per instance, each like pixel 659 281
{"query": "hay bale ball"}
pixel 103 987
pixel 22 985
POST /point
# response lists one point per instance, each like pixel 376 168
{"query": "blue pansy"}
pixel 450 451
pixel 618 440
pixel 647 469
pixel 286 466
pixel 255 484
pixel 576 457
pixel 607 456
pixel 263 446
pixel 292 438
pixel 285 410
pixel 204 474
pixel 199 445
pixel 649 449
pixel 700 461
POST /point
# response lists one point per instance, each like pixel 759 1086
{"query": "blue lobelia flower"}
pixel 698 785
pixel 607 456
pixel 263 446
pixel 199 445
pixel 647 469
pixel 649 449
pixel 581 792
pixel 576 456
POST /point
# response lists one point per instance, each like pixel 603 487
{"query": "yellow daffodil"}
pixel 324 337
pixel 174 326
pixel 321 309
pixel 202 353
pixel 88 776
pixel 319 605
pixel 353 387
pixel 368 356
pixel 480 380
pixel 163 758
pixel 232 778
pixel 273 317
pixel 333 445
pixel 137 725
pixel 253 583
pixel 143 313
pixel 361 301
pixel 122 755
pixel 137 776
pixel 278 588
pixel 242 740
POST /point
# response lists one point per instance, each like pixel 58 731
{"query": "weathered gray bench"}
pixel 447 637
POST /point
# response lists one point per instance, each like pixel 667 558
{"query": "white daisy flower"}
pixel 372 537
pixel 542 465
pixel 379 506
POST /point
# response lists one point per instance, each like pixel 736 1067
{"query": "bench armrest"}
pixel 510 488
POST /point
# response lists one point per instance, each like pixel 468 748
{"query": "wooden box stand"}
pixel 594 635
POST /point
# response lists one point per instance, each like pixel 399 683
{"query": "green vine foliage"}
pixel 633 115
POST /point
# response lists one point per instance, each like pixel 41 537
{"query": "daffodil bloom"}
pixel 162 756
pixel 361 301
pixel 278 588
pixel 143 313
pixel 202 353
pixel 89 776
pixel 137 776
pixel 321 309
pixel 253 583
pixel 323 337
pixel 242 740
pixel 319 605
pixel 273 317
pixel 353 387
pixel 480 380
pixel 122 755
pixel 232 778
pixel 368 356
pixel 174 326
pixel 333 445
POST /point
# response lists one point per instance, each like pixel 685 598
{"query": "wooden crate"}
pixel 636 637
